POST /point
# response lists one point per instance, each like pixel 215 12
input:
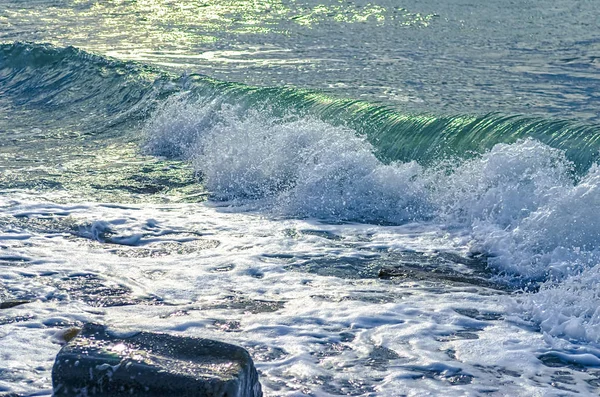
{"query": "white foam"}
pixel 302 166
pixel 324 334
pixel 519 204
pixel 243 276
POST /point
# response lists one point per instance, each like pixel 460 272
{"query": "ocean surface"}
pixel 374 198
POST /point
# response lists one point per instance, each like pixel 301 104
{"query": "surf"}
pixel 523 191
pixel 526 206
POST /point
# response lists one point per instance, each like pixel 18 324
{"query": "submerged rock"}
pixel 12 303
pixel 103 363
pixel 441 275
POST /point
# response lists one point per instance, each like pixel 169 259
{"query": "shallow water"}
pixel 321 183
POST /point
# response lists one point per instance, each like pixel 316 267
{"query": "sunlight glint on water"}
pixel 372 198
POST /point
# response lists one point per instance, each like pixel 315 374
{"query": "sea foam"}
pixel 520 204
pixel 296 166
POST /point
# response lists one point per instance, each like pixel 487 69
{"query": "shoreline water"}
pixel 450 148
pixel 399 330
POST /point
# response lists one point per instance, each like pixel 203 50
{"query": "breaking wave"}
pixel 526 191
pixel 526 205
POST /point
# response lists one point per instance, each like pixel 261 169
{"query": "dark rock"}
pixel 12 303
pixel 437 275
pixel 100 362
pixel 479 315
pixel 67 335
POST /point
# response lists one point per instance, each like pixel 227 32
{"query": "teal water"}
pixel 458 57
pixel 105 96
pixel 164 148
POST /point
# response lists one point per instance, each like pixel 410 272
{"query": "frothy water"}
pixel 371 199
pixel 298 166
pixel 520 205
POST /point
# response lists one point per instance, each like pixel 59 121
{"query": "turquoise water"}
pixel 253 165
pixel 457 57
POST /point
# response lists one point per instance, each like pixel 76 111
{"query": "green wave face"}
pixel 69 89
pixel 96 94
pixel 69 122
pixel 398 136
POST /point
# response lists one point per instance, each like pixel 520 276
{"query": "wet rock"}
pixel 441 275
pixel 100 362
pixel 66 335
pixel 479 315
pixel 12 303
pixel 441 267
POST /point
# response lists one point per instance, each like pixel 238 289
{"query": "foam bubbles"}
pixel 519 204
pixel 301 166
pixel 504 185
pixel 568 309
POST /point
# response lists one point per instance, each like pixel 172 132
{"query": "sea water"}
pixel 373 198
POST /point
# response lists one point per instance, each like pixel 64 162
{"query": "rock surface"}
pixel 101 362
pixel 12 303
